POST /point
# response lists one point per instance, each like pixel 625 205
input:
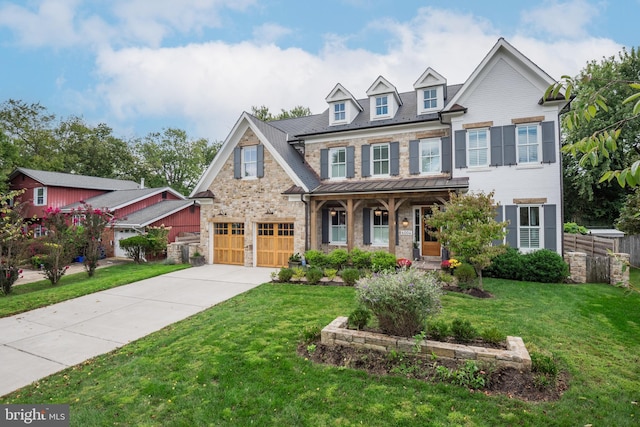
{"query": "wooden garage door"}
pixel 274 244
pixel 228 243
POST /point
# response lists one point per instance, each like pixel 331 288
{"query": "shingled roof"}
pixel 60 179
pixel 117 199
pixel 153 213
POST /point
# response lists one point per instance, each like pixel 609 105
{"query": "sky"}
pixel 141 66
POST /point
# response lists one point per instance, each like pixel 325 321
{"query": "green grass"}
pixel 236 364
pixel 41 293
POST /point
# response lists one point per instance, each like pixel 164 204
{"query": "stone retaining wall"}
pixel 516 354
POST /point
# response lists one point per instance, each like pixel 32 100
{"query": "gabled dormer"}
pixel 384 100
pixel 343 107
pixel 431 91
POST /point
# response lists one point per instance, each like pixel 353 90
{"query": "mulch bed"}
pixel 474 292
pixel 511 382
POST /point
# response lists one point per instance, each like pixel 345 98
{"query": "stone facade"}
pixel 577 266
pixel 247 201
pixel 619 270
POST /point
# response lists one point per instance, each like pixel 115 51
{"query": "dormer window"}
pixel 430 98
pixel 339 112
pixel 382 105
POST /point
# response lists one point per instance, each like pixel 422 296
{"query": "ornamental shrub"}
pixel 383 261
pixel 360 259
pixel 316 258
pixel 438 330
pixel 338 258
pixel 359 318
pixel 135 247
pixel 314 274
pixel 508 265
pixel 466 275
pixel 462 330
pixel 400 301
pixel 285 274
pixel 544 266
pixel 350 276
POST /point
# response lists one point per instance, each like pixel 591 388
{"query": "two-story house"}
pixel 134 208
pixel 366 172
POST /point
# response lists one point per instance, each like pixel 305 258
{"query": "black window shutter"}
pixel 414 157
pixel 548 142
pixel 351 162
pixel 511 215
pixel 325 225
pixel 366 160
pixel 366 226
pixel 324 163
pixel 498 218
pixel 461 148
pixel 260 165
pixel 394 166
pixel 445 147
pixel 550 227
pixel 509 141
pixel 496 146
pixel 237 163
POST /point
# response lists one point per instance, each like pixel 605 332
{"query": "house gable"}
pixel 384 100
pixel 431 92
pixel 343 107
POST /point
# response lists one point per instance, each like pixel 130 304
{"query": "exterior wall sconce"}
pixel 333 212
pixel 377 212
pixel 405 222
pixel 269 211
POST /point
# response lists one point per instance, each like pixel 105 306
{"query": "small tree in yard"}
pixel 59 244
pixel 12 239
pixel 467 228
pixel 92 224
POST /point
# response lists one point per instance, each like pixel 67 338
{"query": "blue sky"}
pixel 144 65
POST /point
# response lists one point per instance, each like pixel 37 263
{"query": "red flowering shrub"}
pixel 403 263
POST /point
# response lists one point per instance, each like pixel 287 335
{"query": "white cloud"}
pixel 211 84
pixel 270 33
pixel 566 19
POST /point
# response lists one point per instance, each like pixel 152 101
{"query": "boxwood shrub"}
pixel 543 265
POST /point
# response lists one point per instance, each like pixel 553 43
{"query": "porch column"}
pixel 392 225
pixel 350 222
pixel 313 225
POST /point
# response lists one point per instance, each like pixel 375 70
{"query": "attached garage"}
pixel 228 243
pixel 274 244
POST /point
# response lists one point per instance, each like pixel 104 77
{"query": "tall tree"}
pixel 170 158
pixel 265 115
pixel 600 92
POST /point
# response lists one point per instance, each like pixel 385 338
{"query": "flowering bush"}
pixel 401 301
pixel 8 276
pixel 403 263
pixel 450 264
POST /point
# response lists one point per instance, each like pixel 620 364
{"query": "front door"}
pixel 430 246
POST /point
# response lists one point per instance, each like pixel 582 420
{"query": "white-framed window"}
pixel 380 227
pixel 380 159
pixel 40 196
pixel 430 99
pixel 528 141
pixel 339 112
pixel 338 162
pixel 382 105
pixel 478 147
pixel 338 231
pixel 529 228
pixel 250 161
pixel 430 156
pixel 38 231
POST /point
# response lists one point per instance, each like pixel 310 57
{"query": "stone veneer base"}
pixel 515 356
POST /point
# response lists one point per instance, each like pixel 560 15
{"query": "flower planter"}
pixel 197 261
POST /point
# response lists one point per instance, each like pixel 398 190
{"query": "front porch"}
pixel 380 214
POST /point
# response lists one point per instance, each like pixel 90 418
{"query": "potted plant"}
pixel 197 259
pixel 295 260
pixel 416 251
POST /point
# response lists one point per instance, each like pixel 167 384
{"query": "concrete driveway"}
pixel 38 343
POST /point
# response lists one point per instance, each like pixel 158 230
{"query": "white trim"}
pixel 538 128
pixel 540 227
pixel 331 226
pixel 469 149
pixel 331 150
pixel 424 141
pixel 44 196
pixel 371 160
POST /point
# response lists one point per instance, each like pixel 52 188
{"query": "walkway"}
pixel 41 342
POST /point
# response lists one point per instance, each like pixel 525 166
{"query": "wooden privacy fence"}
pixel 630 245
pixel 590 245
pixel 598 269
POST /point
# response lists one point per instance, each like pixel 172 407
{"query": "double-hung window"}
pixel 338 162
pixel 380 159
pixel 382 105
pixel 40 196
pixel 528 143
pixel 478 147
pixel 380 227
pixel 430 156
pixel 250 161
pixel 339 112
pixel 529 229
pixel 430 99
pixel 338 232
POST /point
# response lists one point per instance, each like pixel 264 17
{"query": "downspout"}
pixel 306 222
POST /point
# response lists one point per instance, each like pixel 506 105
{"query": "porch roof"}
pixel 408 185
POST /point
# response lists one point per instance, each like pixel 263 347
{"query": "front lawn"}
pixel 42 293
pixel 236 364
